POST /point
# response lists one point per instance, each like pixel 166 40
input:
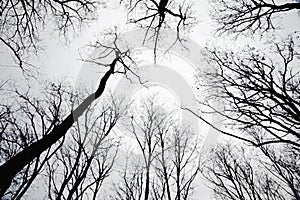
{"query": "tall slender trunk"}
pixel 147 189
pixel 80 178
pixel 10 169
pixel 178 183
pixel 164 166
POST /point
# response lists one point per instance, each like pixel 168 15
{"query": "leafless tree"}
pixel 153 16
pixel 16 163
pixel 285 165
pixel 169 160
pixel 144 129
pixel 249 16
pixel 248 173
pixel 260 93
pixel 24 120
pixel 178 164
pixel 80 166
pixel 260 98
pixel 22 21
pixel 186 161
pixel 131 184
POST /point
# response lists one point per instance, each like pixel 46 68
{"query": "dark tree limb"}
pixel 249 16
pixel 10 168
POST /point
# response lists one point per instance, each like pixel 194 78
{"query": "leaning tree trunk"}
pixel 13 166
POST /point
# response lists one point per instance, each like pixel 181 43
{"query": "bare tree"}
pixel 260 94
pixel 186 161
pixel 15 164
pixel 164 168
pixel 178 163
pixel 144 128
pixel 169 159
pixel 260 98
pixel 249 16
pixel 80 166
pixel 153 16
pixel 247 173
pixel 131 184
pixel 21 21
pixel 284 165
pixel 24 121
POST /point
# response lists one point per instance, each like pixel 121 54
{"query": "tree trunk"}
pixel 11 168
pixel 147 189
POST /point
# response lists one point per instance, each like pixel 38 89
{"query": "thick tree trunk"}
pixel 13 166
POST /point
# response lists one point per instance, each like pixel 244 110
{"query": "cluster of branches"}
pixel 167 161
pixel 24 121
pixel 57 129
pixel 249 16
pixel 261 101
pixel 258 92
pixel 73 167
pixel 248 173
pixel 77 170
pixel 22 21
pixel 154 16
pixel 260 97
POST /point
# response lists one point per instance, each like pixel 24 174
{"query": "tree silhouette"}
pixel 15 164
pixel 249 16
pixel 79 167
pixel 153 16
pixel 22 21
pixel 168 162
pixel 23 122
pixel 259 93
pixel 270 172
